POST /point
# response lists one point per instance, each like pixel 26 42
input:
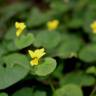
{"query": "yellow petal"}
pixel 52 25
pixel 31 53
pixel 20 25
pixel 39 53
pixel 34 62
pixel 93 24
pixel 17 25
pixel 18 33
pixel 94 31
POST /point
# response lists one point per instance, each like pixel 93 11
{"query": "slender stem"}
pixel 51 85
pixel 93 91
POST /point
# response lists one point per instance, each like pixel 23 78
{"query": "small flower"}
pixel 36 55
pixel 93 26
pixel 20 26
pixel 52 25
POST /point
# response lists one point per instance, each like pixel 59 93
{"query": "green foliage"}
pixel 23 91
pixel 47 39
pixel 68 67
pixel 69 90
pixel 3 94
pixel 11 10
pixel 13 69
pixel 47 67
pixel 10 35
pixel 88 53
pixel 30 92
pixel 91 70
pixel 78 78
pixel 24 41
pixel 69 46
pixel 59 7
pixel 36 17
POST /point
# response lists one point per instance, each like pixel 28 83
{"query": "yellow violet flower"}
pixel 93 26
pixel 20 26
pixel 52 25
pixel 36 55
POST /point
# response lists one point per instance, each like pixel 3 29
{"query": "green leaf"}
pixel 11 10
pixel 18 59
pixel 14 68
pixel 23 92
pixel 90 15
pixel 78 78
pixel 58 71
pixel 75 23
pixel 46 67
pixel 59 7
pixel 36 17
pixel 91 70
pixel 2 50
pixel 40 93
pixel 47 39
pixel 94 95
pixel 10 34
pixel 88 53
pixel 29 92
pixel 24 41
pixel 10 45
pixel 69 46
pixel 3 94
pixel 69 90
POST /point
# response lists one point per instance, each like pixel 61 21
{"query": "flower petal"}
pixel 34 62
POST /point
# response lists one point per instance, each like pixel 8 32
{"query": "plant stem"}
pixel 93 91
pixel 51 85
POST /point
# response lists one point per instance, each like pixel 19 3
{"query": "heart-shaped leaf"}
pixel 88 53
pixel 14 68
pixel 47 39
pixel 69 90
pixel 69 46
pixel 24 41
pixel 46 68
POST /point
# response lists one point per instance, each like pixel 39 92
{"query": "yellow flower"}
pixel 34 61
pixel 93 26
pixel 36 55
pixel 20 26
pixel 52 25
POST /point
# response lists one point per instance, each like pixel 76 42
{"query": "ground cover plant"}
pixel 47 47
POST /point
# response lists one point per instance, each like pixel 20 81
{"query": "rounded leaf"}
pixel 3 94
pixel 29 92
pixel 47 39
pixel 46 68
pixel 69 47
pixel 24 41
pixel 78 78
pixel 23 92
pixel 69 90
pixel 14 68
pixel 88 53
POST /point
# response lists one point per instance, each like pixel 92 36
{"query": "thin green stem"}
pixel 93 91
pixel 51 85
